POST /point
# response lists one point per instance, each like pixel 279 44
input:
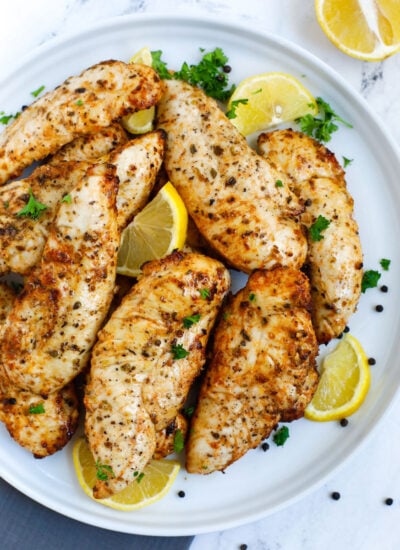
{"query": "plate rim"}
pixel 318 64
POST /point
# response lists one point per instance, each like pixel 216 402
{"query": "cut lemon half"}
pixel 142 121
pixel 154 233
pixel 366 29
pixel 344 382
pixel 268 99
pixel 158 478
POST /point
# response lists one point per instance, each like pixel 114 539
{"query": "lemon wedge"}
pixel 142 121
pixel 154 233
pixel 344 382
pixel 268 99
pixel 365 29
pixel 157 479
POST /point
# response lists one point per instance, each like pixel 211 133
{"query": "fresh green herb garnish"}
pixel 103 472
pixel 278 183
pixel 324 126
pixel 179 441
pixel 252 297
pixel 67 198
pixel 179 352
pixel 79 102
pixel 234 105
pixel 188 412
pixel 370 279
pixel 281 436
pixel 385 264
pixel 347 162
pixel 208 74
pixel 317 227
pixel 6 204
pixel 140 477
pixel 33 208
pixel 204 293
pixel 5 119
pixel 36 409
pixel 37 92
pixel 225 315
pixel 191 320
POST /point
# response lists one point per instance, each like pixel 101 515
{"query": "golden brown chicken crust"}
pixel 81 105
pixel 92 146
pixel 262 369
pixel 229 190
pixel 49 333
pixel 138 380
pixel 334 263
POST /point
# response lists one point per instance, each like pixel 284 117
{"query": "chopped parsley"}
pixel 138 476
pixel 281 436
pixel 370 279
pixel 252 297
pixel 317 227
pixel 208 74
pixel 188 411
pixel 67 198
pixel 5 119
pixel 36 409
pixel 385 264
pixel 278 183
pixel 190 320
pixel 179 441
pixel 234 105
pixel 179 352
pixel 346 162
pixel 103 471
pixel 204 293
pixel 33 208
pixel 37 92
pixel 322 127
pixel 79 102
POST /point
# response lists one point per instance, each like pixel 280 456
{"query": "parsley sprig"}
pixel 179 441
pixel 317 227
pixel 323 126
pixel 36 409
pixel 190 320
pixel 281 436
pixel 208 74
pixel 33 208
pixel 178 351
pixel 103 471
pixel 234 105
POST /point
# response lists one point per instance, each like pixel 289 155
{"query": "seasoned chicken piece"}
pixel 49 333
pixel 334 263
pixel 146 359
pixel 229 190
pixel 82 105
pixel 92 146
pixel 165 438
pixel 22 237
pixel 42 426
pixel 262 369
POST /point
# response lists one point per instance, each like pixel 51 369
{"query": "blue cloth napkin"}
pixel 25 524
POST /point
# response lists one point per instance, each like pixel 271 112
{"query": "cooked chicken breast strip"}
pixel 230 192
pixel 146 359
pixel 22 238
pixel 82 105
pixel 49 333
pixel 42 426
pixel 262 369
pixel 92 146
pixel 335 262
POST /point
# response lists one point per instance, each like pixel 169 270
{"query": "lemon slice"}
pixel 344 382
pixel 158 478
pixel 142 121
pixel 366 29
pixel 268 99
pixel 154 233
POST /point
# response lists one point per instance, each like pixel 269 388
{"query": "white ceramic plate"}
pixel 259 483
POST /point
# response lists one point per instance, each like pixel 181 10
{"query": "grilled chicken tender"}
pixel 49 333
pixel 146 359
pixel 229 190
pixel 262 369
pixel 92 146
pixel 22 238
pixel 47 432
pixel 334 263
pixel 82 105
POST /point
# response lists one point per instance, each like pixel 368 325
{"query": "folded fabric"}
pixel 26 524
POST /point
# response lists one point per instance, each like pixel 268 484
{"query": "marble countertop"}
pixel 360 520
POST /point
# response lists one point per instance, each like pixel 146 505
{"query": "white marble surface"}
pixel 359 520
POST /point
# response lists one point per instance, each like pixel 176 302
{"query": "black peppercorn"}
pixel 379 308
pixel 181 494
pixel 335 495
